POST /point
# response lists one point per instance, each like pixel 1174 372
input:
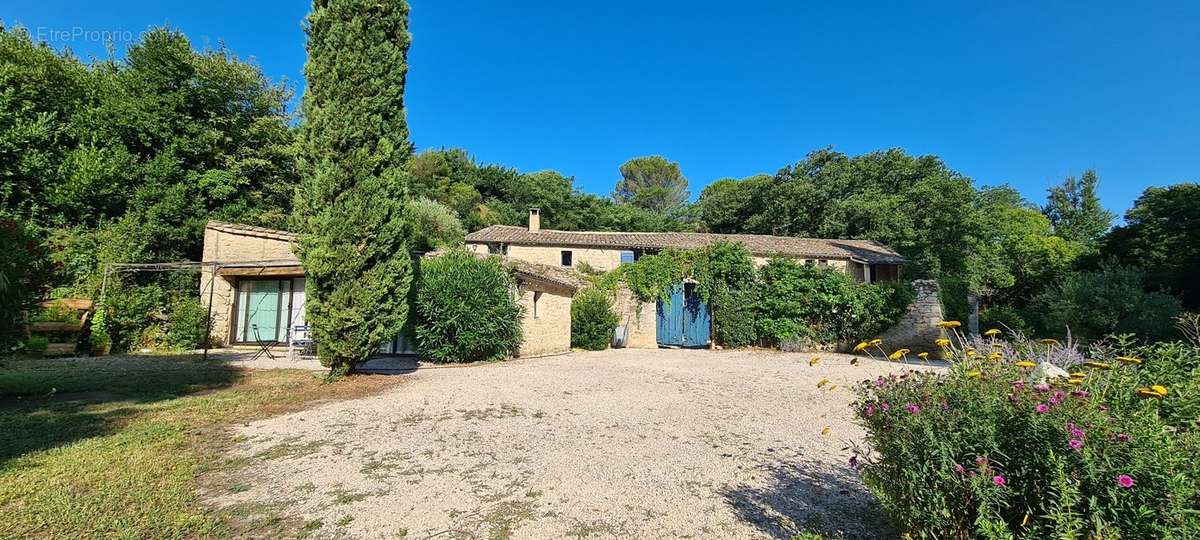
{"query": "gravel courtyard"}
pixel 619 443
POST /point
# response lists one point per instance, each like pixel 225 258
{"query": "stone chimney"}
pixel 535 220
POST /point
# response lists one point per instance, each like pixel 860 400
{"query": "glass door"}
pixel 264 309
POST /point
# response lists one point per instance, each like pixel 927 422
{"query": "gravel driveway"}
pixel 619 443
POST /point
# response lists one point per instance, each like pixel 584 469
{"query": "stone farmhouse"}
pixel 257 283
pixel 684 322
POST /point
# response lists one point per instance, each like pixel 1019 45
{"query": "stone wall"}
pixel 546 323
pixel 917 328
pixel 227 244
pixel 640 318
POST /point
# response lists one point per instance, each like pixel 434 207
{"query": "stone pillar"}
pixel 917 328
pixel 973 314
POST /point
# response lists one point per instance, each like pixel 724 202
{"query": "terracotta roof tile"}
pixel 250 230
pixel 556 275
pixel 762 245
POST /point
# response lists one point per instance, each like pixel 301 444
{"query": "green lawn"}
pixel 119 447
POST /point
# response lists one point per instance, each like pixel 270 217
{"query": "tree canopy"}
pixel 653 183
pixel 1075 211
pixel 1162 235
pixel 125 160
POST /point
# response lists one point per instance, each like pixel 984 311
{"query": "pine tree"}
pixel 354 144
pixel 1074 209
pixel 653 182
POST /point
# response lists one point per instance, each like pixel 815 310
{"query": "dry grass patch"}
pixel 120 447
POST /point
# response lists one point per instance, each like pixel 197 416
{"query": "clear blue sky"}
pixel 1005 93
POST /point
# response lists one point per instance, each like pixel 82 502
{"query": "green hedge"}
pixel 802 302
pixel 467 310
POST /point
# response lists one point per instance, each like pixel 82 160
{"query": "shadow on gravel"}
pixel 806 496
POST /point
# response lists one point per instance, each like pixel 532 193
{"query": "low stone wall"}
pixel 917 329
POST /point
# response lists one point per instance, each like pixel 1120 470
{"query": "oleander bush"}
pixel 592 319
pixel 467 310
pixel 988 450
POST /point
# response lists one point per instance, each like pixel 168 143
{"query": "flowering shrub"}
pixel 988 450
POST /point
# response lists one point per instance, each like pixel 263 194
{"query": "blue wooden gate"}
pixel 684 320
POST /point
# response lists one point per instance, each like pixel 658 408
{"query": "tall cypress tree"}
pixel 349 210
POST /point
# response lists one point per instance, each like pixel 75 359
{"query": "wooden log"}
pixel 43 327
pixel 74 304
pixel 59 349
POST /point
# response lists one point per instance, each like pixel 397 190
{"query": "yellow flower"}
pixel 1075 380
pixel 923 356
pixel 1097 365
pixel 814 361
pixel 971 353
pixel 997 345
pixel 822 382
pixel 973 374
pixel 825 432
pixel 1129 360
pixel 1026 364
pixel 832 388
pixel 862 345
pixel 1048 341
pixel 942 342
pixel 876 341
pixel 949 324
pixel 1078 375
pixel 995 355
pixel 1159 389
pixel 898 354
pixel 1148 393
pixel 992 333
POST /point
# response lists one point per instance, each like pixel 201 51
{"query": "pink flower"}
pixel 885 406
pixel 1079 393
pixel 1042 408
pixel 1123 437
pixel 1077 433
pixel 958 468
pixel 1125 481
pixel 879 382
pixel 982 461
pixel 912 408
pixel 1000 481
pixel 1041 387
pixel 1019 385
pixel 1075 444
pixel 869 410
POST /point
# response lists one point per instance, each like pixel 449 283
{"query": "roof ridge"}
pixel 698 233
pixel 217 224
pixel 758 244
